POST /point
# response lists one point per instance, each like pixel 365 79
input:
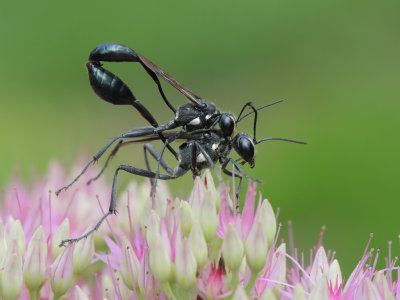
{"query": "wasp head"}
pixel 244 146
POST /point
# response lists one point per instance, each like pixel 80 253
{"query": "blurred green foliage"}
pixel 336 64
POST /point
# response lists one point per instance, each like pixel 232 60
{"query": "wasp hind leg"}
pixel 112 209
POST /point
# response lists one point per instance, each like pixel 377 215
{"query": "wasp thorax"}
pixel 227 124
pixel 244 146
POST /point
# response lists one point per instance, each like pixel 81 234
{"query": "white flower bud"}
pixel 185 265
pixel 198 245
pixel 83 254
pixel 160 261
pixel 17 233
pixel 278 265
pixel 367 290
pixel 62 271
pixel 211 188
pixel 62 233
pixel 232 249
pixel 35 261
pixel 153 228
pixel 320 265
pixel 240 293
pixel 256 248
pixel 3 241
pixel 267 217
pixel 268 295
pixel 79 294
pixel 298 293
pixel 11 279
pixel 335 275
pixel 129 265
pixel 208 218
pixel 186 218
pixel 321 292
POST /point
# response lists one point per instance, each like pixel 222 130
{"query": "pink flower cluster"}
pixel 163 248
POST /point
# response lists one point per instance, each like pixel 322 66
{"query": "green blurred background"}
pixel 336 64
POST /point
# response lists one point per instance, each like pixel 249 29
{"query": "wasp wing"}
pixel 152 70
pixel 155 137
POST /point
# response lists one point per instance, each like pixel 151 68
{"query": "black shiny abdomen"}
pixel 113 52
pixel 108 86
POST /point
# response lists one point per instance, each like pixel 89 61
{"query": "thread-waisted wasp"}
pixel 207 133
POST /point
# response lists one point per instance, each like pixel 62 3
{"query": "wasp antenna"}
pixel 280 139
pixel 264 106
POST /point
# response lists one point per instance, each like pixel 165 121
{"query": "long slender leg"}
pixel 148 148
pixel 155 78
pixel 160 159
pixel 112 210
pixel 138 132
pixel 110 156
pixel 194 155
pixel 135 171
pixel 239 188
pixel 171 125
pixel 162 137
pixel 95 228
pixel 121 143
pixel 148 166
pixel 240 173
pixel 158 156
pixel 240 169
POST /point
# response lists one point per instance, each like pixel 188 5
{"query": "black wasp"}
pixel 207 133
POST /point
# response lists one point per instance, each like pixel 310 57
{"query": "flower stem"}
pixel 34 295
pixel 139 294
pixel 234 279
pixel 168 291
pixel 252 282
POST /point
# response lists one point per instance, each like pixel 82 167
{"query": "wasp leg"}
pixel 158 156
pixel 110 156
pixel 95 228
pixel 240 170
pixel 148 148
pixel 240 174
pixel 138 132
pixel 158 83
pixel 121 143
pixel 178 172
pixel 160 160
pixel 239 187
pixel 144 173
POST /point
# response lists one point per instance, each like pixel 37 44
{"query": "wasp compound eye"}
pixel 244 146
pixel 227 124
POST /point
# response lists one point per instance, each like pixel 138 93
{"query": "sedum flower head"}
pixel 164 248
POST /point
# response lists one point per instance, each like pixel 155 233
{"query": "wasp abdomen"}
pixel 113 52
pixel 108 86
